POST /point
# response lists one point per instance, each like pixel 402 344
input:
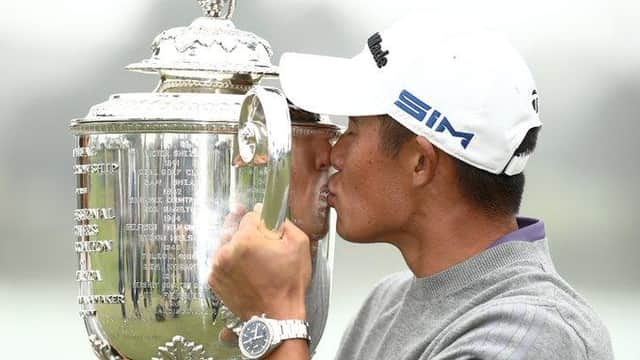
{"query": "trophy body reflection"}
pixel 157 174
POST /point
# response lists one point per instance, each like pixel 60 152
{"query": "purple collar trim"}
pixel 528 230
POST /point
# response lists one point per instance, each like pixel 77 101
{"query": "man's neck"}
pixel 433 244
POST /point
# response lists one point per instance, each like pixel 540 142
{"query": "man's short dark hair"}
pixel 393 135
pixel 497 194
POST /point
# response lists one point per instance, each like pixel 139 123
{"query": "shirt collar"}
pixel 529 229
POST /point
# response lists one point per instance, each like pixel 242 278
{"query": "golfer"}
pixel 443 118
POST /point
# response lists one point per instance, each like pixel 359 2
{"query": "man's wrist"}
pixel 287 314
pixel 286 311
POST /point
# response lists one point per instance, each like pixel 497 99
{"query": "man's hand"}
pixel 257 272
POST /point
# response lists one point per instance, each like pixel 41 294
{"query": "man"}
pixel 442 120
pixel 312 136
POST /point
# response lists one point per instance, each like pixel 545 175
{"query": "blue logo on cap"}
pixel 419 109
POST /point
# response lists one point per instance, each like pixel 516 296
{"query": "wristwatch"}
pixel 260 335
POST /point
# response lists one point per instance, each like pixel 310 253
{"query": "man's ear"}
pixel 426 162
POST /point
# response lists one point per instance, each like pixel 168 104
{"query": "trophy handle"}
pixel 264 139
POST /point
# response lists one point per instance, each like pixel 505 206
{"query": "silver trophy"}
pixel 158 174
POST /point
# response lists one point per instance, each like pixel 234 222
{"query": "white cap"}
pixel 464 88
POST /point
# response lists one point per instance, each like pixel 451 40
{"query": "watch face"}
pixel 255 338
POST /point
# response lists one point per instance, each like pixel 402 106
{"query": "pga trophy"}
pixel 157 174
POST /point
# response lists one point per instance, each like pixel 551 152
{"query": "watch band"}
pixel 291 329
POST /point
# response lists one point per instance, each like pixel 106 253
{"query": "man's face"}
pixel 370 190
pixel 308 188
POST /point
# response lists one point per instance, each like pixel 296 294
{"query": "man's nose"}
pixel 337 154
pixel 323 158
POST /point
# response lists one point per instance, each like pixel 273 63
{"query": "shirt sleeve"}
pixel 511 331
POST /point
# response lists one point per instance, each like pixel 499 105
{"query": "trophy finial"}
pixel 216 8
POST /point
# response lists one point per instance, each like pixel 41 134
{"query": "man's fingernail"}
pixel 258 208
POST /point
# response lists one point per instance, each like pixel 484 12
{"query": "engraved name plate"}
pixel 94 246
pixel 83 151
pixel 95 169
pixel 86 230
pixel 101 299
pixel 87 313
pixel 88 275
pixel 94 214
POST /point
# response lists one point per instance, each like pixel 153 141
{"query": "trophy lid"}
pixel 205 69
pixel 210 45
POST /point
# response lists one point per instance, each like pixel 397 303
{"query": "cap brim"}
pixel 331 85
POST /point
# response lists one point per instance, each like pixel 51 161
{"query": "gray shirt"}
pixel 507 302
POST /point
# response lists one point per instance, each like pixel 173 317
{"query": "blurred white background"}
pixel 58 58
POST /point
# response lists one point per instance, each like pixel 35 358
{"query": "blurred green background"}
pixel 60 57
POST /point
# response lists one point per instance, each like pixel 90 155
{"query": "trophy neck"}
pixel 222 9
pixel 235 84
